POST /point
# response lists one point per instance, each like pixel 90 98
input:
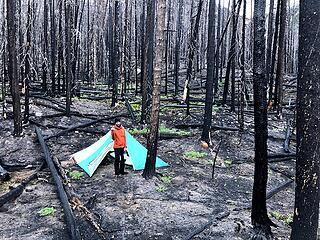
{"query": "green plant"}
pixel 76 175
pixel 47 211
pixel 166 179
pixel 194 154
pixel 142 132
pixel 161 188
pixel 228 162
pixel 287 219
pixel 171 131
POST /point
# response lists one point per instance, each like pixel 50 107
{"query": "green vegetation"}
pixel 163 131
pixel 194 154
pixel 135 106
pixel 166 179
pixel 76 175
pixel 228 162
pixel 161 188
pixel 287 219
pixel 47 211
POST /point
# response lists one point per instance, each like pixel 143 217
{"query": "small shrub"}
pixel 161 188
pixel 287 219
pixel 47 211
pixel 76 175
pixel 194 154
pixel 166 179
pixel 228 162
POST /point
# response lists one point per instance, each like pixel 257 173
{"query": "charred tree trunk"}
pixel 68 39
pixel 278 97
pixel 243 70
pixel 177 49
pixel 13 66
pixel 306 210
pixel 27 65
pixel 259 215
pixel 45 48
pixel 53 45
pixel 116 54
pixel 269 39
pixel 148 60
pixel 210 73
pixel 274 53
pixel 150 165
pixel 192 50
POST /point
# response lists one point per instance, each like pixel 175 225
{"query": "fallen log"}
pixel 213 127
pixel 279 189
pixel 219 217
pixel 75 201
pixel 68 214
pixel 17 191
pixel 83 125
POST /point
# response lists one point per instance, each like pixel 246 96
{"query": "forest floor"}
pixel 130 207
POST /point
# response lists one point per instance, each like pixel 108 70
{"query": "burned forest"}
pixel 159 119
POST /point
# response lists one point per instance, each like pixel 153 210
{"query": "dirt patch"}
pixel 131 207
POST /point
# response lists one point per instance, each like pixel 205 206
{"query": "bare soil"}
pixel 131 207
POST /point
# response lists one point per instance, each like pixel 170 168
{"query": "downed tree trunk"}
pixel 213 220
pixel 199 125
pixel 278 189
pixel 17 191
pixel 68 214
pixel 4 174
pixel 81 126
pixel 75 200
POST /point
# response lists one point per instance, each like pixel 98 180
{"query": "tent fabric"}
pixel 90 158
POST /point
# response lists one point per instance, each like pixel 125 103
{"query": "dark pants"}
pixel 119 165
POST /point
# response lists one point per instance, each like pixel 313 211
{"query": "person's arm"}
pixel 113 133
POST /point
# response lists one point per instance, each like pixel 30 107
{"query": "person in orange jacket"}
pixel 120 146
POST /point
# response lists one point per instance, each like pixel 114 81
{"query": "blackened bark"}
pixel 306 210
pixel 177 49
pixel 116 54
pixel 269 39
pixel 150 165
pixel 278 97
pixel 53 45
pixel 27 65
pixel 243 70
pixel 68 25
pixel 259 215
pixel 192 50
pixel 45 47
pixel 148 60
pixel 13 66
pixel 210 73
pixel 274 53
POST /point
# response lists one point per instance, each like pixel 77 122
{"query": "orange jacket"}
pixel 119 137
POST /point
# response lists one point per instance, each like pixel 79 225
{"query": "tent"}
pixel 90 158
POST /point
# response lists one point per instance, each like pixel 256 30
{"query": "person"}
pixel 120 146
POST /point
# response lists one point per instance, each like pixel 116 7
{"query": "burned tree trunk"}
pixel 306 210
pixel 259 215
pixel 27 65
pixel 68 39
pixel 177 49
pixel 13 66
pixel 150 165
pixel 148 60
pixel 116 54
pixel 210 73
pixel 53 45
pixel 192 50
pixel 278 97
pixel 274 53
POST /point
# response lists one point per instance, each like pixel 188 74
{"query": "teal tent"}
pixel 90 158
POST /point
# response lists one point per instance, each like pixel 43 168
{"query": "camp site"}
pixel 159 119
